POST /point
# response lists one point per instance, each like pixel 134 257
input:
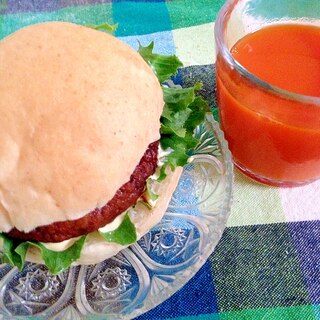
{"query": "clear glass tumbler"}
pixel 273 133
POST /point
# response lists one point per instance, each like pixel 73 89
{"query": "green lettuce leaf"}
pixel 56 261
pixel 163 66
pixel 9 255
pixel 14 253
pixel 183 112
pixel 153 196
pixel 177 99
pixel 104 27
pixel 125 234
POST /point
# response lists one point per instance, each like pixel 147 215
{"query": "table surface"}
pixel 267 263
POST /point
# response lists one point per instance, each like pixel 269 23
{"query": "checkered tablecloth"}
pixel 267 264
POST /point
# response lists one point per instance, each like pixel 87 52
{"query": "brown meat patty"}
pixel 124 198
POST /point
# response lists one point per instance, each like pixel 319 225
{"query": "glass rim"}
pixel 223 16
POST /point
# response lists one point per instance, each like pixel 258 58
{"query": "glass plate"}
pixel 147 273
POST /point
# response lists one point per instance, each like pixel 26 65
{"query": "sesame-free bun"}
pixel 96 249
pixel 78 110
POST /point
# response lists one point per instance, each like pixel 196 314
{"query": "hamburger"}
pixel 88 157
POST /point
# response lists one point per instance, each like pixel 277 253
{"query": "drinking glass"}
pixel 273 134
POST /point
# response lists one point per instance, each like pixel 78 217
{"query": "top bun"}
pixel 78 110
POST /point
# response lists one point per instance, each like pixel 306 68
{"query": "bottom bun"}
pixel 96 249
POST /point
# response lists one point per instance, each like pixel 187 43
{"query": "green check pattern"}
pixel 267 263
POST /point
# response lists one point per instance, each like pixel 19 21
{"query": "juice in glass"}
pixel 268 89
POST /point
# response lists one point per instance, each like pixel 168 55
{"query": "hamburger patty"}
pixel 125 197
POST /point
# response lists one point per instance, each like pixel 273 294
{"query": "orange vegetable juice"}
pixel 273 125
